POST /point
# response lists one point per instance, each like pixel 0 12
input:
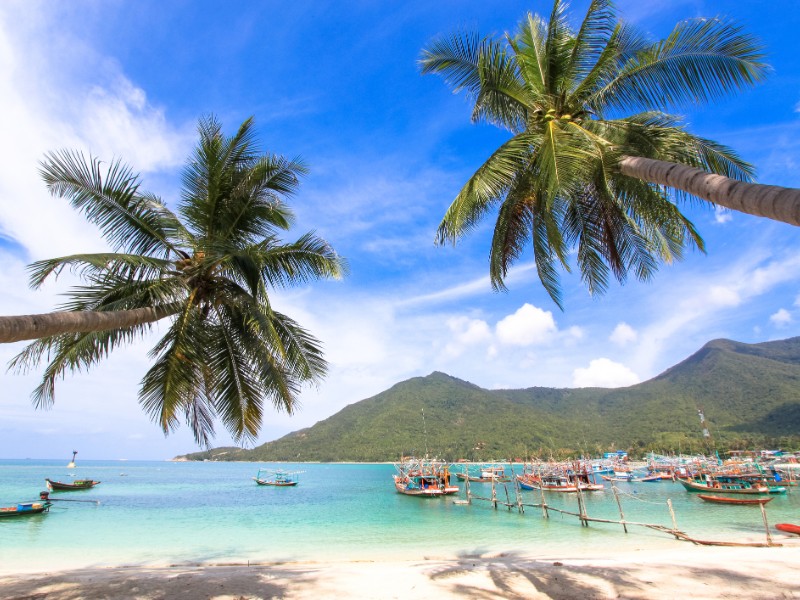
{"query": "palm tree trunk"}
pixel 771 201
pixel 32 327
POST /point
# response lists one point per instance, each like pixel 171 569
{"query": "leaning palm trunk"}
pixel 30 327
pixel 771 201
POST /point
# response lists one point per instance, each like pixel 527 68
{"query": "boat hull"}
pixel 693 486
pixel 725 500
pixel 24 509
pixel 402 487
pixel 788 528
pixel 81 484
pixel 276 483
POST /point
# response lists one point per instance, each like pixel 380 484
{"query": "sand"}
pixel 685 571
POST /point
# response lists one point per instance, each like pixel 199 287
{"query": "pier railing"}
pixel 585 519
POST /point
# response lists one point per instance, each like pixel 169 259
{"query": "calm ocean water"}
pixel 170 513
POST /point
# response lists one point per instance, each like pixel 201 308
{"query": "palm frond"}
pixel 128 266
pixel 176 380
pixel 74 352
pixel 702 60
pixel 455 58
pixel 486 186
pixel 129 221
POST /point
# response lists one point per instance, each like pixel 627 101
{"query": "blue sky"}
pixel 388 149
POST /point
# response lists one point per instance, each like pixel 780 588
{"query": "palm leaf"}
pixel 702 60
pixel 129 221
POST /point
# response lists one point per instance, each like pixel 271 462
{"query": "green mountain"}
pixel 749 393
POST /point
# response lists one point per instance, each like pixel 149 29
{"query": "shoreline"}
pixel 683 571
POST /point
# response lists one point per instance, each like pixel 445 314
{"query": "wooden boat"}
pixel 788 528
pixel 486 474
pixel 723 485
pixel 277 478
pixel 78 484
pixel 25 509
pixel 725 500
pixel 424 478
pixel 420 486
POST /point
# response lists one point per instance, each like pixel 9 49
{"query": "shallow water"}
pixel 171 513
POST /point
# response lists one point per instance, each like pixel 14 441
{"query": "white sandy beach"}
pixel 686 571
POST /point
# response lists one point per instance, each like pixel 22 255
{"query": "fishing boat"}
pixel 78 484
pixel 423 477
pixel 24 509
pixel 722 485
pixel 484 474
pixel 725 500
pixel 788 528
pixel 277 478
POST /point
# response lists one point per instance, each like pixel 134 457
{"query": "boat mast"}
pixel 425 432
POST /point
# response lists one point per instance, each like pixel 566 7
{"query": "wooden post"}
pixel 544 502
pixel 494 492
pixel 466 487
pixel 672 514
pixel 581 507
pixel 766 525
pixel 619 505
pixel 508 500
pixel 518 492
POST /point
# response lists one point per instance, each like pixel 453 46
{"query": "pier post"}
pixel 672 514
pixel 544 502
pixel 581 505
pixel 619 505
pixel 766 524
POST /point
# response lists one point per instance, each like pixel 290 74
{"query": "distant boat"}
pixel 788 528
pixel 724 500
pixel 78 484
pixel 25 509
pixel 71 464
pixel 277 478
pixel 485 474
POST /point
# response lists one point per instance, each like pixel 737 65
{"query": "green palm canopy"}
pixel 207 268
pixel 586 110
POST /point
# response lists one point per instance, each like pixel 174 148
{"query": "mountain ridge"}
pixel 750 394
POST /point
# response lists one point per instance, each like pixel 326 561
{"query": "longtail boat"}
pixel 24 509
pixel 725 500
pixel 788 528
pixel 277 478
pixel 723 485
pixel 78 484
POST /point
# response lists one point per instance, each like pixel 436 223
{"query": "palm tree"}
pixel 206 268
pixel 592 147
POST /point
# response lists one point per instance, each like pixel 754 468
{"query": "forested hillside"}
pixel 750 394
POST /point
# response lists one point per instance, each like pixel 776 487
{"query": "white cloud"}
pixel 781 318
pixel 623 334
pixel 466 332
pixel 603 372
pixel 722 215
pixel 529 325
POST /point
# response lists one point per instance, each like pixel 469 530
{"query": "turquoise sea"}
pixel 163 513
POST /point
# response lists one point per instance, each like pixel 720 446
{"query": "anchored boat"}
pixel 725 500
pixel 24 509
pixel 78 484
pixel 277 478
